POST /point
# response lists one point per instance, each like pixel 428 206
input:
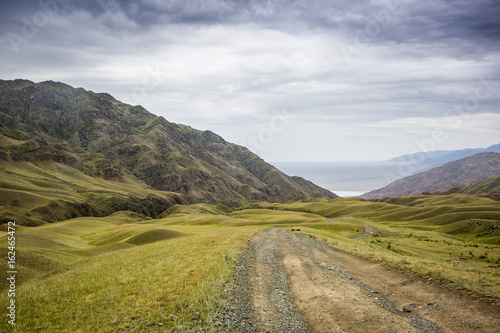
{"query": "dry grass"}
pixel 122 273
pixel 466 265
pixel 174 284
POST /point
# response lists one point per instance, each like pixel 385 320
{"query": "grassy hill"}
pixel 116 273
pixel 149 218
pixel 129 272
pixel 489 188
pixel 55 139
pixel 45 192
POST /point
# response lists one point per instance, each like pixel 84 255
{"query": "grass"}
pixel 454 238
pixel 152 279
pixel 127 272
pixel 266 216
pixel 163 282
pixel 136 234
pixel 463 264
pixel 30 192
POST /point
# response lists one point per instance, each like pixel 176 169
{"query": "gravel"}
pixel 279 314
pixel 240 315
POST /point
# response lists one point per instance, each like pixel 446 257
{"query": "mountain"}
pixel 81 134
pixel 461 173
pixel 489 188
pixel 424 161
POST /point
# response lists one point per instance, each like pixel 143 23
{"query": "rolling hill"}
pixel 457 174
pixel 123 272
pixel 489 188
pixel 69 152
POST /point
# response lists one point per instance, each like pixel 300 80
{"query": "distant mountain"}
pixel 423 161
pixel 487 188
pixel 456 174
pixel 98 136
pixel 338 177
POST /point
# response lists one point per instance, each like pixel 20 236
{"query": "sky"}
pixel 310 80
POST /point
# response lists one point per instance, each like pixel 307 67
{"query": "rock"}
pixel 409 308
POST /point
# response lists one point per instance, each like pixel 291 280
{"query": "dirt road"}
pixel 288 283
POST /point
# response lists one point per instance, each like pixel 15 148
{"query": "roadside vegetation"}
pixel 453 238
pixel 139 276
pixel 127 271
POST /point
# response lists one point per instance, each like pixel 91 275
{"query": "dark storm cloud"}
pixel 354 72
pixel 421 20
pixel 392 21
pixel 460 29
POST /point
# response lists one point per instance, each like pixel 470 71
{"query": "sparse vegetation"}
pixel 125 271
pixel 134 280
pixel 107 239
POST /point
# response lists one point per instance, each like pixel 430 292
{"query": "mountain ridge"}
pixel 456 174
pixel 489 188
pixel 102 137
pixel 423 161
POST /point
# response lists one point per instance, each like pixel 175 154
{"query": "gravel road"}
pixel 286 282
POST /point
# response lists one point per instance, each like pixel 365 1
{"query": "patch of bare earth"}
pixel 288 283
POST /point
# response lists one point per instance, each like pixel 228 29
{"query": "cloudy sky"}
pixel 293 80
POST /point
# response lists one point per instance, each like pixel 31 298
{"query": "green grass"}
pixel 151 236
pixel 136 234
pixel 453 238
pixel 265 216
pixel 32 192
pixel 127 272
pixel 115 273
pixel 136 288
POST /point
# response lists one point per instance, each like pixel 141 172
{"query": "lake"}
pixel 344 178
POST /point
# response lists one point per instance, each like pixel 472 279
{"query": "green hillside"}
pixel 126 222
pixel 126 271
pixel 488 188
pixel 93 138
pixel 45 192
pixel 116 273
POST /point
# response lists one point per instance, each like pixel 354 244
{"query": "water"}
pixel 347 194
pixel 345 179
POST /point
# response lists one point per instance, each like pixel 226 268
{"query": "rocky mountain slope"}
pixel 457 174
pixel 100 137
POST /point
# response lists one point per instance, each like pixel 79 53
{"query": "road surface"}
pixel 289 283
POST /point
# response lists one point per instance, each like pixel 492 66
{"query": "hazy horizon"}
pixel 339 177
pixel 292 81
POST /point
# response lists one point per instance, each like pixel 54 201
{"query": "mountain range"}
pixel 424 161
pixel 86 135
pixel 457 174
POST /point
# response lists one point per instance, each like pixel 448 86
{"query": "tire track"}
pixel 286 282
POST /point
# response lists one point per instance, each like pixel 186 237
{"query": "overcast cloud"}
pixel 312 80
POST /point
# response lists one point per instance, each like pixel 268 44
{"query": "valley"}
pixel 126 222
pixel 224 166
pixel 129 272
